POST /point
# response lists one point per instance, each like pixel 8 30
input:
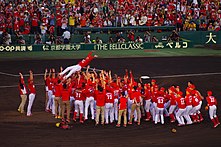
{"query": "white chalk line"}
pixel 186 75
pixel 38 74
pixel 153 77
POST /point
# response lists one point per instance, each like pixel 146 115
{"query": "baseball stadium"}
pixel 110 72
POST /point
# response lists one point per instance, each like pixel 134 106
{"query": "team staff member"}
pixel 81 64
pixel 212 104
pixel 137 102
pixel 65 104
pixel 23 93
pixel 122 109
pixel 57 99
pixel 100 93
pixel 32 93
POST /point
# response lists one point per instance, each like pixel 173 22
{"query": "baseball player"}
pixel 181 108
pixel 74 68
pixel 147 98
pixel 32 93
pixel 212 104
pixel 122 109
pixel 50 85
pixel 189 107
pixel 109 105
pixel 160 100
pixel 89 94
pixel 173 95
pixel 23 93
pixel 79 98
pixel 196 102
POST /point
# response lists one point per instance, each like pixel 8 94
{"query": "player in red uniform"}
pixel 160 101
pixel 79 98
pixel 81 64
pixel 172 95
pixel 181 108
pixel 32 93
pixel 23 93
pixel 212 104
pixel 109 105
pixel 147 98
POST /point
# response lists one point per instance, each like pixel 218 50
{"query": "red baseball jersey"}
pixel 31 87
pixel 79 95
pixel 211 100
pixel 109 98
pixel 147 94
pixel 57 90
pixel 195 101
pixel 136 95
pixel 160 102
pixel 86 60
pixel 23 90
pixel 65 94
pixel 188 100
pixel 181 102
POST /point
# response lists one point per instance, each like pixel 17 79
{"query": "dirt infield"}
pixel 40 130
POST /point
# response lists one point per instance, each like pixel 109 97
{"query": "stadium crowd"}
pixel 111 98
pixel 43 16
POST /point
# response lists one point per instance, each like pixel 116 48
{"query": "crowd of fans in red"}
pixel 32 16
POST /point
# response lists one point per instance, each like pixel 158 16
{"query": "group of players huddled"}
pixel 111 98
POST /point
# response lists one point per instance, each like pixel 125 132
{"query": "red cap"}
pixel 153 80
pixel 209 93
pixel 162 89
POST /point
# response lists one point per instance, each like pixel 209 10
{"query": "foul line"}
pixel 40 74
pixel 187 75
pixel 155 77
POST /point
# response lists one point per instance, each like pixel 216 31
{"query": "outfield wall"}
pixel 114 46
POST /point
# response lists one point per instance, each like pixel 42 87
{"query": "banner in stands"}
pixel 114 46
pixel 119 46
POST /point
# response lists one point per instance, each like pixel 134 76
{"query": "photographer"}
pixel 174 36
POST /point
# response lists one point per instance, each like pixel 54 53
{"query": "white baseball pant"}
pixel 30 103
pixel 89 102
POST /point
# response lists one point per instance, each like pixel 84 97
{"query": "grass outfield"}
pixel 109 54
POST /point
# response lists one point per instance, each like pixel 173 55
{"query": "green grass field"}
pixel 109 54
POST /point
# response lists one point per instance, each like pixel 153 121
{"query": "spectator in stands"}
pixel 38 39
pixel 139 39
pixel 66 36
pixel 20 40
pixel 51 40
pixel 111 40
pixel 34 24
pixel 6 38
pixel 174 36
pixel 147 36
pixel 216 26
pixel 203 26
pixel 154 39
pixel 192 26
pixel 72 22
pixel 121 40
pixel 87 38
pixel 210 27
pixel 131 36
pixel 98 40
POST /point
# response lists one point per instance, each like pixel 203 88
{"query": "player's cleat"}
pixel 59 117
pixel 138 123
pixel 172 121
pixel 56 117
pixel 125 125
pixel 129 123
pixel 68 120
pixel 81 121
pixel 19 110
pixel 118 125
pixel 29 115
pixel 215 125
pixel 179 125
pixel 74 119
